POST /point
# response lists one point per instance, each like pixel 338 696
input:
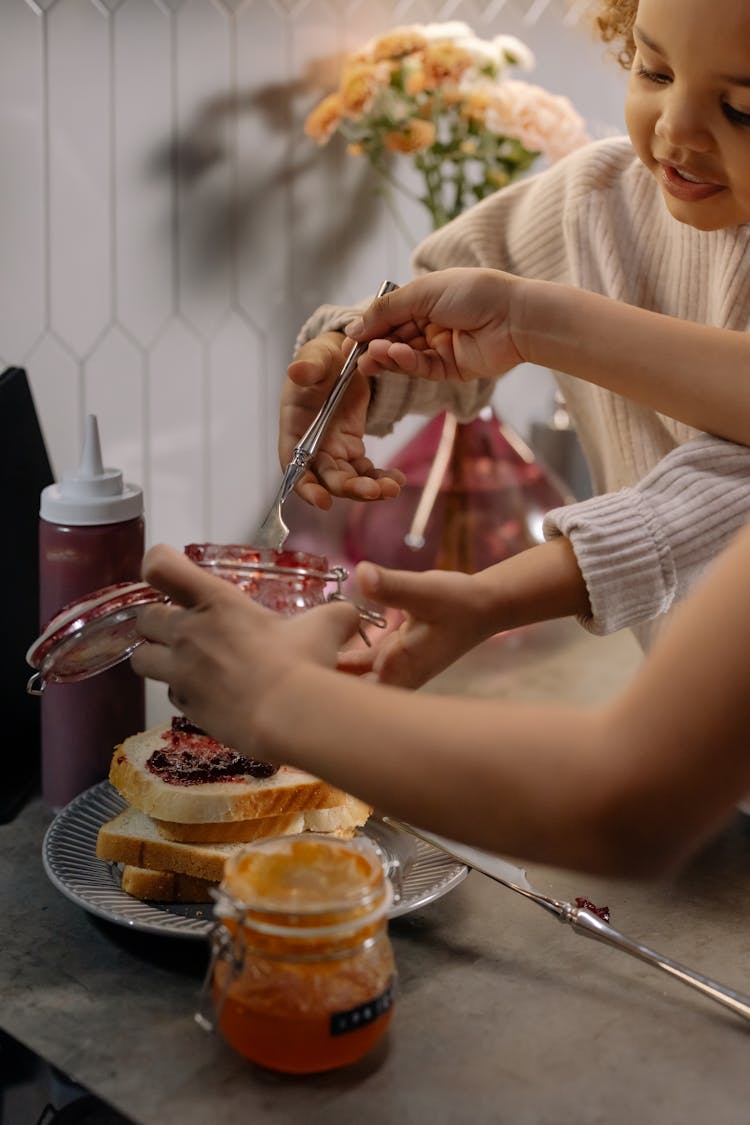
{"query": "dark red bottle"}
pixel 91 534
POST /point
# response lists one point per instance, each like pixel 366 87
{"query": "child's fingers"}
pixel 417 593
pixel 400 308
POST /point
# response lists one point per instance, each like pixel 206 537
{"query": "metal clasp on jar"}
pixel 366 616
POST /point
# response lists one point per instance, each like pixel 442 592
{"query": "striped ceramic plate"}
pixel 419 873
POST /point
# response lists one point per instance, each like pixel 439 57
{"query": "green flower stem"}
pixel 386 183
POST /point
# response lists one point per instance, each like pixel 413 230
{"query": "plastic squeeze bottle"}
pixel 91 534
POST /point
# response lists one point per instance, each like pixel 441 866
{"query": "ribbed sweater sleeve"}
pixel 643 548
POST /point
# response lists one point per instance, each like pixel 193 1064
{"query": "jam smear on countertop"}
pixel 600 911
pixel 192 757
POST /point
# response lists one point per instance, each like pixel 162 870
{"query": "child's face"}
pixel 688 107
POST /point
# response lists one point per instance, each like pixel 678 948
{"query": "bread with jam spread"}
pixel 178 774
pixel 193 802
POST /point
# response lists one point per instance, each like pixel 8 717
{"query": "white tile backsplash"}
pixel 165 225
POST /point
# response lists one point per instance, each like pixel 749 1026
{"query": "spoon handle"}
pixel 310 440
pixel 586 923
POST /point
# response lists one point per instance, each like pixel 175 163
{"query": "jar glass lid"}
pixel 89 635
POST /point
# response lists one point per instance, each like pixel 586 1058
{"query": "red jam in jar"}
pixel 303 976
pixel 286 581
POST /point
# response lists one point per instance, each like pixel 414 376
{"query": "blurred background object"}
pixel 24 471
pixel 555 442
pixel 474 502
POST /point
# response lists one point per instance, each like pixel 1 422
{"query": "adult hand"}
pixel 221 653
pixel 455 324
pixel 341 467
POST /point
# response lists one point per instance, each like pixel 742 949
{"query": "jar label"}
pixel 354 1018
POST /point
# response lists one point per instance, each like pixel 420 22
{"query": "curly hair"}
pixel 614 24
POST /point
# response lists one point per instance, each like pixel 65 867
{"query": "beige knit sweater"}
pixel 596 220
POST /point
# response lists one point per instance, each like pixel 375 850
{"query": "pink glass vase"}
pixel 475 494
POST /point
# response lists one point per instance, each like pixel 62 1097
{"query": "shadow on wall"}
pixel 198 162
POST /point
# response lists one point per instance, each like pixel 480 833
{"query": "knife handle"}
pixel 586 923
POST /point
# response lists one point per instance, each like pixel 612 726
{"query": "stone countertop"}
pixel 502 1015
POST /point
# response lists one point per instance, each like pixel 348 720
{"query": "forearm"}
pixel 682 724
pixel 692 372
pixel 539 584
pixel 583 789
pixel 526 782
pixel 629 788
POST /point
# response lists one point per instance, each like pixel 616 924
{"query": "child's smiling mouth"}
pixel 685 185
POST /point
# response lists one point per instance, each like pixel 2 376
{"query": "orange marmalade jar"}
pixel 303 970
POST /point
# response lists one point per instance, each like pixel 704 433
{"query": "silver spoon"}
pixel 273 531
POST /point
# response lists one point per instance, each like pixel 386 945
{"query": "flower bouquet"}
pixel 442 97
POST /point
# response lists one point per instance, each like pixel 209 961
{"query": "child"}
pixel 627 788
pixel 460 322
pixel 648 236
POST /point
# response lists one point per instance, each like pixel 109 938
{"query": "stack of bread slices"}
pixel 193 802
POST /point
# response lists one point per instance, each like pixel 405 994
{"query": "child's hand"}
pixel 444 618
pixel 221 653
pixel 340 467
pixel 453 324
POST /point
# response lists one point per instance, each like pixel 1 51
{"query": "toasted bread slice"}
pixel 341 820
pixel 231 831
pixel 164 886
pixel 131 838
pixel 244 797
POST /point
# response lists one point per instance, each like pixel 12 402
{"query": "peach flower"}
pixel 360 85
pixel 475 104
pixel 445 62
pixel 414 82
pixel 322 123
pixel 542 122
pixel 396 44
pixel 415 136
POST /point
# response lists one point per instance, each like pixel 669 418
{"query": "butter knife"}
pixel 581 920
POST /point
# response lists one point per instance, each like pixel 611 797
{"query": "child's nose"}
pixel 682 124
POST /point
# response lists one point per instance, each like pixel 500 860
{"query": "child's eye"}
pixel 653 75
pixel 736 116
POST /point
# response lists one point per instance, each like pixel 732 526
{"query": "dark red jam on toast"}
pixel 191 757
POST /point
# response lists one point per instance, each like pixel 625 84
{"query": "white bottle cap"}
pixel 91 494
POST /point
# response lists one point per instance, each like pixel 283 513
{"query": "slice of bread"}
pixel 341 819
pixel 244 797
pixel 231 831
pixel 131 837
pixel 164 886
